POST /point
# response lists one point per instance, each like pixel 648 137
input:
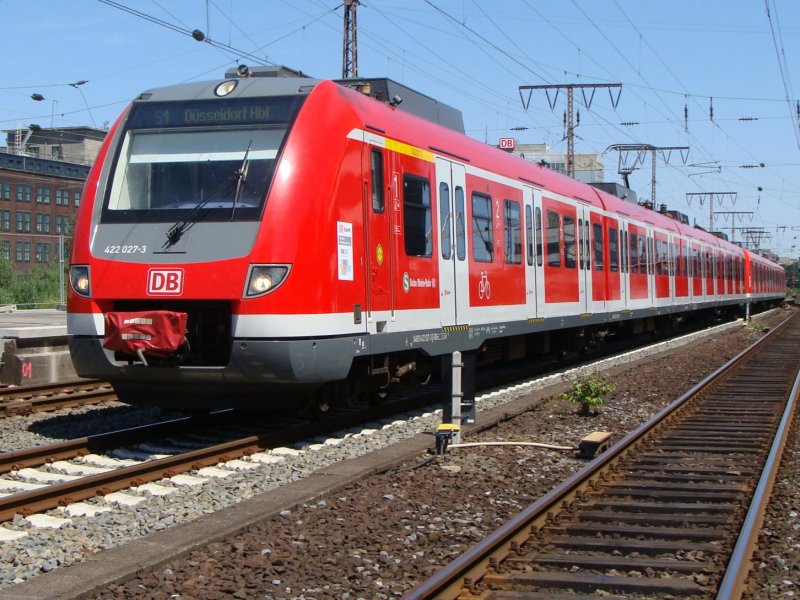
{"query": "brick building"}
pixel 42 172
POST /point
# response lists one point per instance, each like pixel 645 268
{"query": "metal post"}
pixel 456 396
pixel 61 270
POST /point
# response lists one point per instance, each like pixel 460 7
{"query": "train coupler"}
pixel 444 435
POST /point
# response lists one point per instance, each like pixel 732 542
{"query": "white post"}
pixel 61 269
pixel 457 396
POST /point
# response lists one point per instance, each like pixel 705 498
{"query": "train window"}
pixel 569 242
pixel 613 250
pixel 623 239
pixel 482 228
pixel 634 253
pixel 513 233
pixel 659 257
pixel 376 172
pixel 417 216
pixel 581 251
pixel 597 238
pixel 644 263
pixel 461 227
pixel 587 247
pixel 685 259
pixel 446 227
pixel 529 234
pixel 538 226
pixel 553 239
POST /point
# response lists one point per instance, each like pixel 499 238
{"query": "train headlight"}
pixel 263 279
pixel 79 280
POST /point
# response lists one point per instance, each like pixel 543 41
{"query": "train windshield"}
pixel 197 161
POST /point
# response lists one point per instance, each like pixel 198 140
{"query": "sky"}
pixel 715 76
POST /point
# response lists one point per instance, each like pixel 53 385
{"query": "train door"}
pixel 624 264
pixel 534 272
pixel 377 192
pixel 651 266
pixel 453 274
pixel 584 274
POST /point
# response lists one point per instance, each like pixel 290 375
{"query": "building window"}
pixel 417 216
pixel 76 197
pixel 62 223
pixel 42 223
pixel 62 197
pixel 5 220
pixel 23 192
pixel 5 190
pixel 43 195
pixel 42 252
pixel 6 250
pixel 23 252
pixel 23 221
pixel 482 228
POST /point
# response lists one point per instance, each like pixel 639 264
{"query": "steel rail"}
pixel 733 582
pixel 50 397
pixel 467 568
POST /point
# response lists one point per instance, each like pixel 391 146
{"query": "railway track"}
pixel 56 475
pixel 671 510
pixel 64 474
pixel 49 397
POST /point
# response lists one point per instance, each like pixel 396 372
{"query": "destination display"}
pixel 242 111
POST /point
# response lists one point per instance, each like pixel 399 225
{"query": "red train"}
pixel 250 239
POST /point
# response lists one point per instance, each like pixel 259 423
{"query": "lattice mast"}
pixel 350 41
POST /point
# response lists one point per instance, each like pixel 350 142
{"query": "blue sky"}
pixel 739 57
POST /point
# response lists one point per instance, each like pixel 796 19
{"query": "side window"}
pixel 623 242
pixel 538 226
pixel 482 228
pixel 613 250
pixel 569 242
pixel 461 227
pixel 597 240
pixel 634 253
pixel 513 233
pixel 417 216
pixel 659 257
pixel 643 263
pixel 553 239
pixel 529 234
pixel 376 170
pixel 445 227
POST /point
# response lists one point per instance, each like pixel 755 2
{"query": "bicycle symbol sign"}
pixel 484 287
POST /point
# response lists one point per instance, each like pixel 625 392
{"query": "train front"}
pixel 163 250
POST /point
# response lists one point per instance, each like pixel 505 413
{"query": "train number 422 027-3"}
pixel 125 250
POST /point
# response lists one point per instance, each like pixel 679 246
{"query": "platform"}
pixel 34 347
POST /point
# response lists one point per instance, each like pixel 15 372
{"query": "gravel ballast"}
pixel 374 539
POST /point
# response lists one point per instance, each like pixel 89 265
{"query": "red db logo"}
pixel 165 282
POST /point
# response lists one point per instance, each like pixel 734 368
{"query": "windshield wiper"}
pixel 182 226
pixel 186 223
pixel 241 176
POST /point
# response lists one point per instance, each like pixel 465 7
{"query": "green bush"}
pixel 589 393
pixel 37 287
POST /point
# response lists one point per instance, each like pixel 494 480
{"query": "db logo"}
pixel 161 281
